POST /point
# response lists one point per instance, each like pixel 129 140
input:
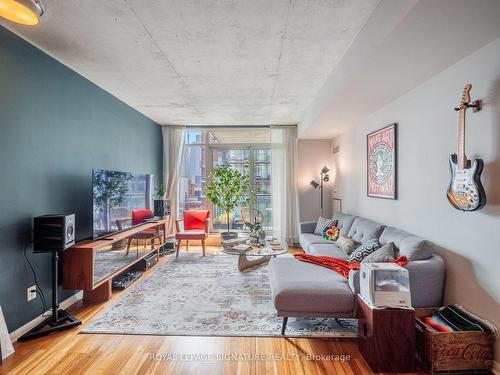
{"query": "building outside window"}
pixel 207 148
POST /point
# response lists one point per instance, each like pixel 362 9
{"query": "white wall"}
pixel 313 155
pixel 428 131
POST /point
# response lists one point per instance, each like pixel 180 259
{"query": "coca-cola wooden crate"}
pixel 448 352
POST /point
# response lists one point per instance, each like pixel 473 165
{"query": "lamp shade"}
pixel 314 184
pixel 325 169
pixel 24 12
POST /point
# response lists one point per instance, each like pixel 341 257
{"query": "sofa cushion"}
pixel 407 244
pixel 363 230
pixel 344 222
pixel 383 254
pixel 327 250
pixel 415 248
pixel 304 287
pixel 391 234
pixel 322 224
pixel 365 249
pixel 307 239
pixel 348 245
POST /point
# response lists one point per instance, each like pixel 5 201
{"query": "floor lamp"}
pixel 324 177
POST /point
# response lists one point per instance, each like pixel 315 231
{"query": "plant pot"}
pixel 228 235
pixel 161 207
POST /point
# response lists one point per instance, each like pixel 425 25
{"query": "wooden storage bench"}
pixel 453 352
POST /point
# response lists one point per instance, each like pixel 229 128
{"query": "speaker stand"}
pixel 60 320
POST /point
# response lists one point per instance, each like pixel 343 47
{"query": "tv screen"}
pixel 114 196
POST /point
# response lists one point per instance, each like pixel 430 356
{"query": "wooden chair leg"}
pixel 203 246
pixel 187 245
pixel 129 242
pixel 178 248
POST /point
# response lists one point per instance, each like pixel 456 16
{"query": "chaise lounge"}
pixel 305 290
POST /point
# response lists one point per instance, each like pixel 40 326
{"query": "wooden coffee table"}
pixel 256 255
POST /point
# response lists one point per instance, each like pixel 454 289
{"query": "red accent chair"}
pixel 195 228
pixel 151 234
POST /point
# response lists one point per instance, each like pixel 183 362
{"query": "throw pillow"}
pixel 364 250
pixel 347 244
pixel 331 233
pixel 384 254
pixel 322 224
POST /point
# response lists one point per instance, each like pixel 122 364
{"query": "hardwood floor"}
pixel 73 353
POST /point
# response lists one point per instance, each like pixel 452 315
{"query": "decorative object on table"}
pixel 386 337
pixel 160 204
pixel 466 192
pixel 227 244
pixel 6 347
pixel 385 285
pixel 195 228
pixel 363 250
pixel 253 220
pixel 227 189
pixel 347 244
pixel 324 177
pixel 324 223
pixel 456 351
pixel 331 233
pixel 382 163
pixel 262 237
pixel 256 254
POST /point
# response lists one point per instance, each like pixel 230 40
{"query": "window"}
pixel 207 148
pixel 193 172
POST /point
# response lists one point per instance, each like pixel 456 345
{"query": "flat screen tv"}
pixel 114 196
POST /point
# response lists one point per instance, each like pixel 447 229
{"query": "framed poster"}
pixel 382 162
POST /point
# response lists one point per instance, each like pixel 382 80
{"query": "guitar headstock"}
pixel 465 96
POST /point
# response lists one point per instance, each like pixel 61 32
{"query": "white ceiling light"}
pixel 24 12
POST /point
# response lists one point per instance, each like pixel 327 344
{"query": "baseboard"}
pixel 14 335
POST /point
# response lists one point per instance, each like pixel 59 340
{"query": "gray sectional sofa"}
pixel 302 289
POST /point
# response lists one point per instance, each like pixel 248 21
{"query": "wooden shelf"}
pixel 79 262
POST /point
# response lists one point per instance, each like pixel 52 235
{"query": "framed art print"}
pixel 382 162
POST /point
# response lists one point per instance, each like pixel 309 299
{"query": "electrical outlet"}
pixel 31 293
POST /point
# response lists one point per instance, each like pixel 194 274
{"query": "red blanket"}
pixel 339 265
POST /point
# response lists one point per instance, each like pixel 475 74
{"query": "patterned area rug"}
pixel 207 296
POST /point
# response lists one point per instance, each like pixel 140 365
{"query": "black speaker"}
pixel 53 233
pixel 161 207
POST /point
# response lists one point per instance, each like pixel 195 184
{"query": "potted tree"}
pixel 226 189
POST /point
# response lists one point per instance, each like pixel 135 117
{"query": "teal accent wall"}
pixel 55 126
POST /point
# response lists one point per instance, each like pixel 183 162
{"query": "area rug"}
pixel 207 296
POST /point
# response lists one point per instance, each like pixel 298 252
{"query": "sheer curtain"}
pixel 284 183
pixel 173 145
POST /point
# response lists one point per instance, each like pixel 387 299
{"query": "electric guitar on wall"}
pixel 466 193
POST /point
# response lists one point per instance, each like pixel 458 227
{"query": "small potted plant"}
pixel 227 189
pixel 161 206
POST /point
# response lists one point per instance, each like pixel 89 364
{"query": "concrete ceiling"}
pixel 203 61
pixel 402 45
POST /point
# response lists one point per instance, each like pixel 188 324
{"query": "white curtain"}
pixel 285 207
pixel 173 145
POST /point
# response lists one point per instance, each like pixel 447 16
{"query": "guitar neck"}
pixel 462 159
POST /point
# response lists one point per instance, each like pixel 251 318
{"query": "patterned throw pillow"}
pixel 364 250
pixel 331 233
pixel 347 244
pixel 383 254
pixel 324 223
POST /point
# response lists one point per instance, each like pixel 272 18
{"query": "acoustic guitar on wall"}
pixel 466 193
